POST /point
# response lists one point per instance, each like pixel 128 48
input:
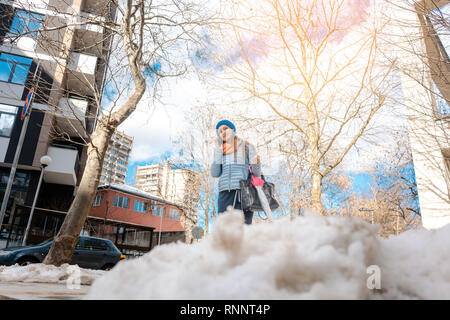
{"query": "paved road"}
pixel 40 291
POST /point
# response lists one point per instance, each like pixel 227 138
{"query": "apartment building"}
pixel 65 67
pixel 172 184
pixel 134 220
pixel 116 159
pixel 423 60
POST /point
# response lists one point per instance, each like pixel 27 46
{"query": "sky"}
pixel 155 124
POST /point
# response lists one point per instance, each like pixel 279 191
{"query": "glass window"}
pixel 174 214
pixel 25 22
pixel 7 118
pixel 14 69
pixel 120 202
pixel 158 211
pixel 98 200
pixel 140 206
pixel 95 244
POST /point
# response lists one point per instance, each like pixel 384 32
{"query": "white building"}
pixel 424 67
pixel 174 185
pixel 116 159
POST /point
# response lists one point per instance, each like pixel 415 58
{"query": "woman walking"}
pixel 231 160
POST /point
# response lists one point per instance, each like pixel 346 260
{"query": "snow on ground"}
pixel 311 257
pixel 49 274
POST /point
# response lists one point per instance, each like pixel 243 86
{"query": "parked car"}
pixel 90 253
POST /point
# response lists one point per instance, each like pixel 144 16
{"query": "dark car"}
pixel 90 253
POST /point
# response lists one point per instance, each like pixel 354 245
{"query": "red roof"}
pixel 134 217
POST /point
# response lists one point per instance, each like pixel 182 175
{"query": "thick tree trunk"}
pixel 316 192
pixel 314 161
pixel 64 243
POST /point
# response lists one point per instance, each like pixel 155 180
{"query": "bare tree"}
pixel 391 197
pixel 314 67
pixel 196 144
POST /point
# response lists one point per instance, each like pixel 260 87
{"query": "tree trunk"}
pixel 316 192
pixel 64 243
pixel 314 161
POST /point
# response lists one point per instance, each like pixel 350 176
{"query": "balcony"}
pixel 32 4
pixel 73 107
pixel 81 77
pixel 64 166
pixel 82 63
pixel 86 17
pixel 71 116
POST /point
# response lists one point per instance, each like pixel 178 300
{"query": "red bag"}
pixel 256 182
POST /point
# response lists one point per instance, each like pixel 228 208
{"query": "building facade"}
pixel 116 159
pixel 172 184
pixel 424 64
pixel 66 68
pixel 134 220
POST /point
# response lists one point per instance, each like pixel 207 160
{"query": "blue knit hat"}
pixel 227 123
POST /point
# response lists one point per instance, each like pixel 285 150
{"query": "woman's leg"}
pixel 248 216
pixel 226 198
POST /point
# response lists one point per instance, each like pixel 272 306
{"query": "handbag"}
pixel 249 195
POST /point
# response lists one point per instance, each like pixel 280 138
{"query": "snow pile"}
pixel 311 257
pixel 49 274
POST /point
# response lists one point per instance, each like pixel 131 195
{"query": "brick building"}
pixel 134 220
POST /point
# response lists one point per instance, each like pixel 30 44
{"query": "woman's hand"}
pixel 217 142
pixel 256 159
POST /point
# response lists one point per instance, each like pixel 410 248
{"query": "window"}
pixel 158 211
pixel 120 202
pixel 140 206
pixel 439 19
pixel 174 214
pixel 447 172
pixel 14 69
pixel 25 22
pixel 98 200
pixel 19 188
pixel 7 117
pixel 94 244
pixel 443 109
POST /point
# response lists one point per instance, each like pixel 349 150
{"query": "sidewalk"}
pixel 40 291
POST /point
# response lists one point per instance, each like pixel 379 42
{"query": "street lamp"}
pixel 45 161
pixel 366 209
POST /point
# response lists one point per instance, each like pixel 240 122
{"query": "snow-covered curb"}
pixel 311 257
pixel 42 273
